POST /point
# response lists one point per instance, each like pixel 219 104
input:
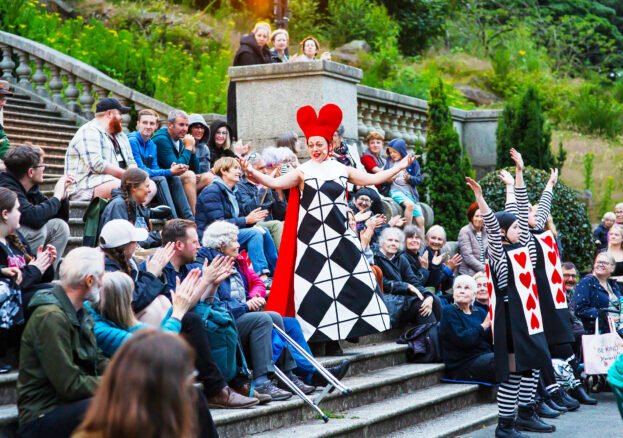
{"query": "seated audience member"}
pixel 403 187
pixel 252 196
pixel 98 153
pixel 291 141
pixel 340 150
pixel 199 129
pixel 367 203
pixel 465 336
pixel 309 49
pixel 435 241
pixel 428 272
pixel 618 213
pixel 43 221
pixel 60 363
pixel 595 292
pixel 472 243
pixel 280 39
pixel 128 203
pixel 218 202
pixel 170 188
pixel 406 299
pixel 254 328
pixel 570 280
pixel 615 249
pixel 482 291
pixel 220 142
pixel 116 323
pixel 273 159
pixel 244 292
pixel 175 146
pixel 365 237
pixel 148 391
pixel 373 161
pixel 5 88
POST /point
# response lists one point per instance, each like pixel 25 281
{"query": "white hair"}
pixel 175 114
pixel 272 156
pixel 79 263
pixel 285 153
pixel 609 215
pixel 219 234
pixel 466 280
pixel 436 229
pixel 393 231
pixel 619 205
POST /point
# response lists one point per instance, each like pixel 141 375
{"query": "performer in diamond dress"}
pixel 322 277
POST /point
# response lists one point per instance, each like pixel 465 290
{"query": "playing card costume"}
pixel 322 277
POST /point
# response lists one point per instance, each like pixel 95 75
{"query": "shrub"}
pixel 447 164
pixel 305 20
pixel 596 112
pixel 569 213
pixel 522 126
pixel 588 171
pixel 605 202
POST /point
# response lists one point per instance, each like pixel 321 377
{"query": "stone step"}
pixel 382 417
pixel 37 116
pixel 40 133
pixel 7 388
pixel 54 158
pixel 24 103
pixel 35 125
pixel 452 424
pixel 8 421
pixel 39 141
pixel 374 387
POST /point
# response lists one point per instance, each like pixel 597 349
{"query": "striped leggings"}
pixel 519 387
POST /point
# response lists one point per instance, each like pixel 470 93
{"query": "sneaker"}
pixel 306 389
pixel 5 368
pixel 274 392
pixel 338 372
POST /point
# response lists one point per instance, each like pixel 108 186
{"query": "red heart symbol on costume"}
pixel 534 322
pixel 526 279
pixel 521 259
pixel 487 270
pixel 530 304
pixel 549 241
pixel 489 289
pixel 490 312
pixel 556 278
pixel 551 255
pixel 560 296
pixel 536 293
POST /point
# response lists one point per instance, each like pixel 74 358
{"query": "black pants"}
pixel 60 422
pixel 480 369
pixel 206 424
pixel 209 375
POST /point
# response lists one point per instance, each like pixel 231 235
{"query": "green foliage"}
pixel 569 213
pixel 305 19
pixel 349 20
pixel 605 201
pixel 588 171
pixel 522 126
pixel 420 22
pixel 560 157
pixel 447 164
pixel 163 61
pixel 596 112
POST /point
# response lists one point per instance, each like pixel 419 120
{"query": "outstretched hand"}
pixel 506 177
pixel 474 186
pixel 553 178
pixel 407 161
pixel 517 158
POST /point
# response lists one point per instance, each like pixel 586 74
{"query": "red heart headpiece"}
pixel 323 125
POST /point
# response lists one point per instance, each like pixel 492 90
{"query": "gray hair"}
pixel 79 263
pixel 619 205
pixel 436 229
pixel 469 282
pixel 285 153
pixel 413 230
pixel 340 130
pixel 608 255
pixel 393 231
pixel 609 215
pixel 254 158
pixel 272 156
pixel 219 234
pixel 288 140
pixel 175 114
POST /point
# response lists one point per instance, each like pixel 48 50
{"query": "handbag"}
pixel 423 342
pixel 601 350
pixel 11 312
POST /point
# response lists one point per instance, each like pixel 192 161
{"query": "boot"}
pixel 245 389
pixel 229 399
pixel 561 398
pixel 527 419
pixel 580 395
pixel 506 428
pixel 552 405
pixel 543 410
pixel 338 371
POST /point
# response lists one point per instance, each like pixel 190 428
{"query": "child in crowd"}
pixel 601 232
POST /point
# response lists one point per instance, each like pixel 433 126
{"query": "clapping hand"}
pixel 376 221
pixel 454 262
pixel 366 237
pixel 438 258
pixel 218 269
pixel 397 221
pixel 45 258
pixel 156 263
pixel 362 215
pixel 186 294
pixel 12 272
pixel 424 261
pixel 256 216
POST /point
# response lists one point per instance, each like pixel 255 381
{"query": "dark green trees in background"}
pixel 447 164
pixel 522 126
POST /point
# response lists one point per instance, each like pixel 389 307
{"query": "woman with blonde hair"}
pixel 280 40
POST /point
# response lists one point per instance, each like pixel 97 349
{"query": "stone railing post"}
pixel 268 96
pixel 86 99
pixel 40 79
pixel 71 94
pixel 56 85
pixel 23 70
pixel 7 65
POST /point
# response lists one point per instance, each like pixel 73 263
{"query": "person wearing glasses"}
pixel 43 221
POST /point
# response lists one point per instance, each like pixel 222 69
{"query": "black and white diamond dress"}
pixel 336 295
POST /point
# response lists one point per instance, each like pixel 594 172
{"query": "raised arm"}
pixel 545 203
pixel 509 181
pixel 360 178
pixel 521 194
pixel 496 252
pixel 290 179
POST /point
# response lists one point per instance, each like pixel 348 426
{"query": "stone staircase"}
pixel 389 398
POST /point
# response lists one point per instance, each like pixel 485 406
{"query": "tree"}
pixel 522 126
pixel 447 164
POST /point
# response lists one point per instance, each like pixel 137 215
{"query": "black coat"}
pixel 397 275
pixel 36 209
pixel 249 197
pixel 216 153
pixel 249 53
pixel 462 336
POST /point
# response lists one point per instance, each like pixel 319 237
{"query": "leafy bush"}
pixel 596 112
pixel 569 213
pixel 589 182
pixel 161 61
pixel 305 20
pixel 447 164
pixel 522 126
pixel 605 202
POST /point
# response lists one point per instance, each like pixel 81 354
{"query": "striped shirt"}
pixel 495 250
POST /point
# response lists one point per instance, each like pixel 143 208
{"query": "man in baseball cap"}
pixel 5 90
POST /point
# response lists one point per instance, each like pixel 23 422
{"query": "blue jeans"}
pixel 260 247
pixel 304 369
pixel 171 193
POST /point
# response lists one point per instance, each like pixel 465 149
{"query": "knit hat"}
pixel 505 220
pixel 324 124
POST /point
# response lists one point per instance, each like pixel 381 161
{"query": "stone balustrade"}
pixel 64 83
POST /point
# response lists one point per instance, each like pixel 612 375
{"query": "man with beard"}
pixel 60 362
pixel 99 153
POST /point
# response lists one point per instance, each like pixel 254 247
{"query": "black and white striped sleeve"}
pixel 495 249
pixel 545 206
pixel 523 206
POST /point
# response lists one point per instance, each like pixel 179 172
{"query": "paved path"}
pixel 600 421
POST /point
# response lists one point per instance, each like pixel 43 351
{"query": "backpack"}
pixel 91 219
pixel 222 332
pixel 423 342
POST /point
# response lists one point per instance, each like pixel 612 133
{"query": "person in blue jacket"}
pixel 115 323
pixel 403 186
pixel 175 146
pixel 170 188
pixel 218 201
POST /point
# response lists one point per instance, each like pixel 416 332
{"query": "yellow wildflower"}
pixel 163 79
pixel 522 52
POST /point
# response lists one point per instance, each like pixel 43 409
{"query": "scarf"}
pixel 230 195
pixel 380 161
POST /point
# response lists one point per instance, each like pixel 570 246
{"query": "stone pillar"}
pixel 477 130
pixel 268 96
